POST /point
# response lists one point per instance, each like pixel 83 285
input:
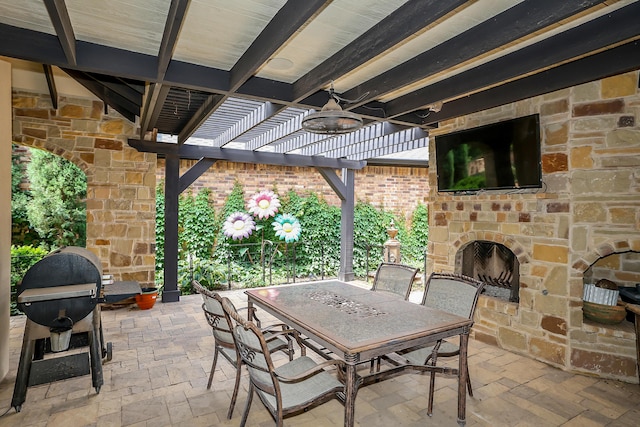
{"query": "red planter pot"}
pixel 147 298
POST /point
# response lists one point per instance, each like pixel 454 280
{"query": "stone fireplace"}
pixel 583 222
pixel 494 264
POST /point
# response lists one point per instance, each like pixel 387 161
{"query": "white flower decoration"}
pixel 238 225
pixel 287 227
pixel 264 204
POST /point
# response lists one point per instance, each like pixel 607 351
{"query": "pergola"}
pixel 233 80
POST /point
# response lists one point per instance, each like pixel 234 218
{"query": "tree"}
pixel 21 231
pixel 57 210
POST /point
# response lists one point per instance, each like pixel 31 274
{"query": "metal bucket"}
pixel 60 334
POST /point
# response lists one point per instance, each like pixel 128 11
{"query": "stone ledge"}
pixel 622 330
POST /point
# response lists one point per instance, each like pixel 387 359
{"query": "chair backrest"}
pixel 254 352
pixel 453 293
pixel 395 278
pixel 216 316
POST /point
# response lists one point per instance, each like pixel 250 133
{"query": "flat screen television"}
pixel 504 155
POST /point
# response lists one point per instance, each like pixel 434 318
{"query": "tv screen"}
pixel 504 155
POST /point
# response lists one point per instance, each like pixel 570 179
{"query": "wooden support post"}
pixel 171 293
pixel 346 227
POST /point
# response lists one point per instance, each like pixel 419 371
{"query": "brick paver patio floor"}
pixel 162 358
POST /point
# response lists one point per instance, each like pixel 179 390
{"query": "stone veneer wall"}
pixel 120 180
pixel 373 184
pixel 622 268
pixel 589 208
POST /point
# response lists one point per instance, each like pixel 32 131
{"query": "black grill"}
pixel 65 283
pixel 61 296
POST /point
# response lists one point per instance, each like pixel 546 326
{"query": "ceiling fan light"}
pixel 332 119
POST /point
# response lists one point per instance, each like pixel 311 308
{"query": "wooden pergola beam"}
pixel 343 186
pixel 196 152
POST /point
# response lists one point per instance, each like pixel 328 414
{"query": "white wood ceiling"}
pixel 217 34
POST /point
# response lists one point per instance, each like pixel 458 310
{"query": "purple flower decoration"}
pixel 238 225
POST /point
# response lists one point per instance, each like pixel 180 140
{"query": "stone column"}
pixel 5 213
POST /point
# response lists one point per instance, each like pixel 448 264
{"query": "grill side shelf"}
pixel 57 292
pixel 120 290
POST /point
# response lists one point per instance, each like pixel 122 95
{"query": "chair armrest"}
pixel 286 332
pixel 309 372
pixel 253 315
pixel 270 328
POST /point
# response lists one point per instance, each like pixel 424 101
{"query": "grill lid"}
pixel 41 294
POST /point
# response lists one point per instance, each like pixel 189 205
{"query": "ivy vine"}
pixel 208 256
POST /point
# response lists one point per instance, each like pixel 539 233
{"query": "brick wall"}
pixel 588 209
pixel 397 189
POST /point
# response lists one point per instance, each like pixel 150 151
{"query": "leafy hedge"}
pixel 208 256
pixel 22 258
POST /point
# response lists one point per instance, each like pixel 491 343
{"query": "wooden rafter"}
pixel 515 23
pixel 293 15
pixel 51 84
pixel 623 24
pixel 175 19
pixel 62 24
pixel 411 18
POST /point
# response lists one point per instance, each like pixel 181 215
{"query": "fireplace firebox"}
pixel 494 264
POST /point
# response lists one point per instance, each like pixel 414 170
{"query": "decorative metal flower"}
pixel 264 204
pixel 238 225
pixel 287 227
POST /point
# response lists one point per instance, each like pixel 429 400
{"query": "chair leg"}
pixel 432 381
pixel 247 406
pixel 213 368
pixel 290 349
pixel 469 383
pixel 235 389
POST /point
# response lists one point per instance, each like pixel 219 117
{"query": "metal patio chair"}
pixel 225 344
pixel 394 278
pixel 287 389
pixel 456 294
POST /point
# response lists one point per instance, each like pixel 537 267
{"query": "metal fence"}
pixel 268 255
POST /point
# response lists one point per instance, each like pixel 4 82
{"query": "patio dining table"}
pixel 357 325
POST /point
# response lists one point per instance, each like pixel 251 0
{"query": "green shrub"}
pixel 209 273
pixel 370 227
pixel 416 242
pixel 234 202
pixel 321 233
pixel 197 224
pixel 22 258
